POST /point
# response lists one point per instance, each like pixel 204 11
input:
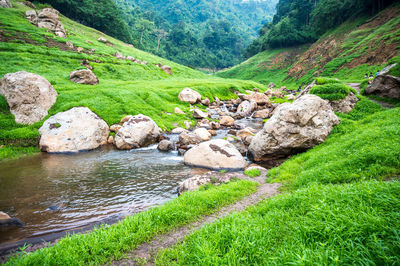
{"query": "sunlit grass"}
pixel 352 224
pixel 111 242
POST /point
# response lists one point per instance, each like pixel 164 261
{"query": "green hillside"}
pixel 358 46
pixel 204 34
pixel 336 203
pixel 125 87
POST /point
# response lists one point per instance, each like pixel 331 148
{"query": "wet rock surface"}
pixel 138 131
pixel 215 154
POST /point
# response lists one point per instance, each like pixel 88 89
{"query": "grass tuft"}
pixel 252 172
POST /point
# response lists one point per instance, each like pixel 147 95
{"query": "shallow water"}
pixel 50 193
pixel 55 192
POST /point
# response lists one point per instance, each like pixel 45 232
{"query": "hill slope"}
pixel 207 34
pixel 348 52
pixel 125 87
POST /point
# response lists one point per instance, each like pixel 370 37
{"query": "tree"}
pixel 142 26
pixel 160 33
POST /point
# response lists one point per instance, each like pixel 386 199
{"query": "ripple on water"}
pixel 84 188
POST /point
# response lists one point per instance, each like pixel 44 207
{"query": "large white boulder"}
pixel 29 96
pixel 215 154
pixel 77 129
pixel 293 128
pixel 138 131
pixel 189 96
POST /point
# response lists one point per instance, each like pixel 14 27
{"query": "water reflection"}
pixel 49 193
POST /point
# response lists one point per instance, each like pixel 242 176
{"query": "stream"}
pixel 52 193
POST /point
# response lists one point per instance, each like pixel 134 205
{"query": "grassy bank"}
pixel 352 224
pixel 362 147
pixel 338 209
pixel 111 242
pixel 125 87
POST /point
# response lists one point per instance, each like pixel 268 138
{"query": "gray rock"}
pixel 226 121
pixel 293 128
pixel 215 154
pixel 190 96
pixel 246 108
pixel 5 4
pixel 78 129
pixel 199 114
pixel 48 18
pixel 385 86
pixel 344 105
pixel 84 76
pixel 166 145
pixel 29 96
pixel 138 131
pixel 166 69
pixel 188 138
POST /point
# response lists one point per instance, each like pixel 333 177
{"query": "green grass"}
pixel 323 80
pixel 125 87
pixel 263 69
pixel 394 102
pixel 111 242
pixel 331 91
pixel 351 224
pixel 362 147
pixel 337 209
pixel 252 172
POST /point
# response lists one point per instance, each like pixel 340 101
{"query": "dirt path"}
pixel 144 254
pixel 355 86
pixel 385 105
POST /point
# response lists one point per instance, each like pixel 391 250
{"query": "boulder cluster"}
pixel 47 18
pixel 291 128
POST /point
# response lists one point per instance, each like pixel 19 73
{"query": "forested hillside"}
pixel 304 21
pixel 203 34
pixel 362 44
pixel 102 15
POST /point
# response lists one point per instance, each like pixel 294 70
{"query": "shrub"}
pixel 322 80
pixel 332 91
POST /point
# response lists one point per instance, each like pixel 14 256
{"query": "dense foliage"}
pixel 303 21
pixel 203 34
pixel 102 15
